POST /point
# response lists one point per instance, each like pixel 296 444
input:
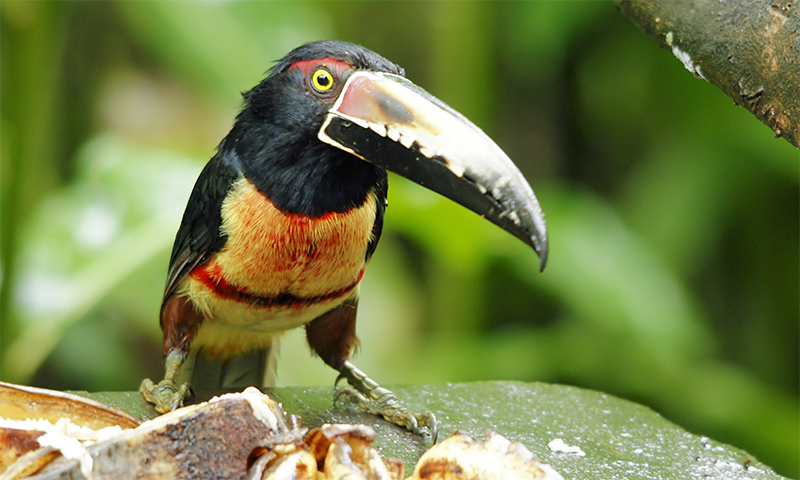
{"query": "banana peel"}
pixel 235 436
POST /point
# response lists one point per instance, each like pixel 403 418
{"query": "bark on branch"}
pixel 748 48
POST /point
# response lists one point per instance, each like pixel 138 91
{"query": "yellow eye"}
pixel 322 80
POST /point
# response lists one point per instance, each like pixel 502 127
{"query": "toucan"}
pixel 286 215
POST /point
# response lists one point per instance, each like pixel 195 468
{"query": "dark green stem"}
pixel 749 49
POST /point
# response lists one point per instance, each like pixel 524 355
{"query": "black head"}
pixel 275 138
pixel 358 57
pixel 303 85
pixel 316 135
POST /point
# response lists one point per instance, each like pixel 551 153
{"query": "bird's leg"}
pixel 167 396
pixel 380 401
pixel 333 336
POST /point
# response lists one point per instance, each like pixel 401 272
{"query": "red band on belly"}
pixel 211 276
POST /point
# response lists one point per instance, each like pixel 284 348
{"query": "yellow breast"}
pixel 281 263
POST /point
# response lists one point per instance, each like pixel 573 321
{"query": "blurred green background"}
pixel 673 214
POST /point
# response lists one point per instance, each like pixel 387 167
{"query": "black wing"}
pixel 199 236
pixel 381 191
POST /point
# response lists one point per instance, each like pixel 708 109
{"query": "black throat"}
pixel 274 142
pixel 298 173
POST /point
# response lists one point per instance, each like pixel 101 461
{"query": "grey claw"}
pixel 382 402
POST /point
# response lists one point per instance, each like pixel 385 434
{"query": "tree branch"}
pixel 748 48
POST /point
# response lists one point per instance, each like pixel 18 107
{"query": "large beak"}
pixel 394 124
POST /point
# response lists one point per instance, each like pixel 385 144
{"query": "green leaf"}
pixel 619 439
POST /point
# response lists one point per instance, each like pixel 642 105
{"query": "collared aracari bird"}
pixel 285 217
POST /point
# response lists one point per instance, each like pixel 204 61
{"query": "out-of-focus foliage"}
pixel 673 277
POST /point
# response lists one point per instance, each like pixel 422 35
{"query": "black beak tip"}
pixel 538 242
pixel 534 234
pixel 542 259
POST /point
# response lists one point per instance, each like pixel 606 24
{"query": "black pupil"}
pixel 323 79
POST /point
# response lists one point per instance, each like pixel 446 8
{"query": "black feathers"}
pixel 199 236
pixel 274 145
pixel 355 55
pixel 275 136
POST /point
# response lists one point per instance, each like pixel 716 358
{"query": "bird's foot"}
pixel 165 396
pixel 380 401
